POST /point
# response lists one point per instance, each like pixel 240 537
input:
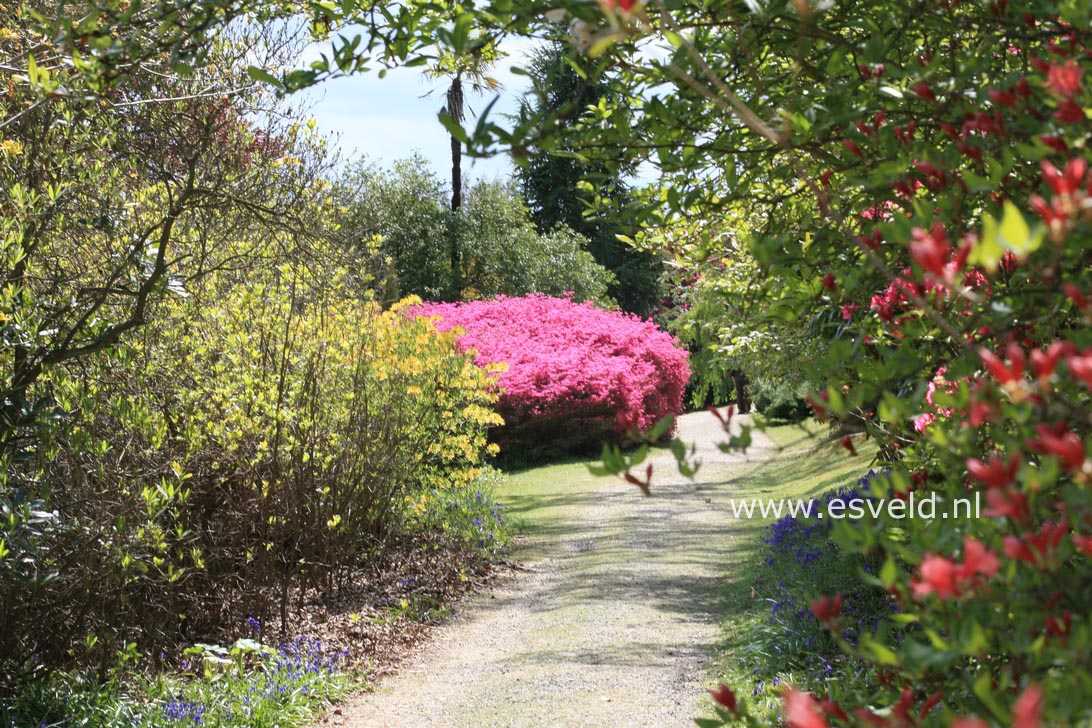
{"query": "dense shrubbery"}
pixel 576 374
pixel 414 244
pixel 258 440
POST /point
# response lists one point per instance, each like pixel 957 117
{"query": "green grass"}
pixel 543 502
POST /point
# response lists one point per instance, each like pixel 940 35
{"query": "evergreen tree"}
pixel 551 180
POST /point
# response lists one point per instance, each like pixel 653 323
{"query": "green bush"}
pixel 415 244
pixel 257 441
pixel 779 401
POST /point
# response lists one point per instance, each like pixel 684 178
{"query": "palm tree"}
pixel 473 69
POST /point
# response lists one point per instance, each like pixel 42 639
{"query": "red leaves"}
pixel 997 476
pixel 725 419
pixel 724 697
pixel 1064 80
pixel 1080 366
pixel 1065 183
pixel 1036 548
pixel 1075 295
pixel 924 90
pixel 1027 711
pixel 1058 441
pixel 826 610
pixel 624 5
pixel 977 561
pixel 1069 112
pixel 935 178
pixel 802 711
pixel 931 250
pixel 853 148
pixel 1059 628
pixel 1005 372
pixel 947 579
pixel 938 576
pixel 997 473
pixel 847 443
pixel 1002 98
pixel 1043 363
pixel 819 409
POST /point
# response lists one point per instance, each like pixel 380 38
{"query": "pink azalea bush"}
pixel 576 374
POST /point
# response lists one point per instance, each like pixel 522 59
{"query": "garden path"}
pixel 611 624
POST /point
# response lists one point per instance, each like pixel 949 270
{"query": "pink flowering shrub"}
pixel 576 374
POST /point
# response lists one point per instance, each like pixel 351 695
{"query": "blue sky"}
pixel 391 118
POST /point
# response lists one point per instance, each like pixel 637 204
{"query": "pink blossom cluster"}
pixel 574 371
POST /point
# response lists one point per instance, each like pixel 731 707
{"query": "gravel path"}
pixel 614 627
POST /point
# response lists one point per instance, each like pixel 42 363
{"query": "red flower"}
pixel 1069 112
pixel 1057 440
pixel 829 283
pixel 1001 503
pixel 1080 366
pixel 1064 80
pixel 1027 711
pixel 1044 363
pixel 931 250
pixel 1002 98
pixel 977 561
pixel 827 610
pixel 938 576
pixel 1067 183
pixel 1084 543
pixel 847 443
pixel 1008 371
pixel 997 473
pixel 852 147
pixel 924 90
pixel 724 697
pixel 625 5
pixel 1036 548
pixel 801 710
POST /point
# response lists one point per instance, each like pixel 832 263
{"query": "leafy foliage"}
pixel 562 184
pixel 400 217
pixel 218 464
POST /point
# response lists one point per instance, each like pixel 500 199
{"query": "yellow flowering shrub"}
pixel 261 436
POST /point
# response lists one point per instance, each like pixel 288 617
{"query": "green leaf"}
pixel 888 572
pixel 882 654
pixel 987 251
pixel 1015 234
pixel 453 127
